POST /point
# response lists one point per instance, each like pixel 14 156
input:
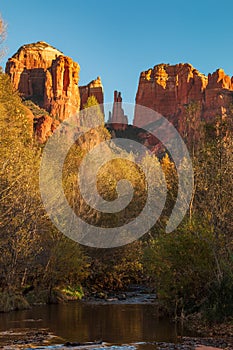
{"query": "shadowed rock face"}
pixel 170 89
pixel 42 73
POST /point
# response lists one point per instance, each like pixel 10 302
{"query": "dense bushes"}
pixel 113 270
pixel 218 306
pixel 191 274
pixel 182 265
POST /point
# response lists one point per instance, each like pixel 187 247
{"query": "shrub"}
pixel 219 304
pixel 182 266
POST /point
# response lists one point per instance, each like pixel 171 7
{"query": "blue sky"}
pixel 118 39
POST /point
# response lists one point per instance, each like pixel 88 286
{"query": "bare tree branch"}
pixel 2 37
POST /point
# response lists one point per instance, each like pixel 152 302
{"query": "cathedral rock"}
pixel 46 76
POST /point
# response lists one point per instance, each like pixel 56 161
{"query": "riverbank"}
pixel 39 339
pixel 197 322
pixel 13 301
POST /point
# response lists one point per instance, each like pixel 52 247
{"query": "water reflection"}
pixel 81 322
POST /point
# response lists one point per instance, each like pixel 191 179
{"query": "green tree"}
pixel 92 115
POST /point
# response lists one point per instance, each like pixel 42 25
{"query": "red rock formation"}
pixel 219 80
pixel 117 118
pixel 218 95
pixel 94 88
pixel 166 89
pixel 170 89
pixel 42 73
pixel 44 128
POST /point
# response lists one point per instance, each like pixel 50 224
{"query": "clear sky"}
pixel 118 39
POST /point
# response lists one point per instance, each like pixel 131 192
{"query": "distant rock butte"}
pixel 46 76
pixel 169 89
pixel 94 88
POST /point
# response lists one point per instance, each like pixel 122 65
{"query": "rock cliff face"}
pixel 42 73
pixel 44 128
pixel 172 90
pixel 94 88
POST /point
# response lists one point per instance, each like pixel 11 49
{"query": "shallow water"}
pixel 85 322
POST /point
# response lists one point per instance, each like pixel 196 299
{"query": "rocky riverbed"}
pixel 136 294
pixel 44 339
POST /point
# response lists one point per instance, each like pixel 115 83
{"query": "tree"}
pixel 214 176
pixel 2 36
pixel 92 115
pixel 192 127
pixel 19 201
pixel 181 265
